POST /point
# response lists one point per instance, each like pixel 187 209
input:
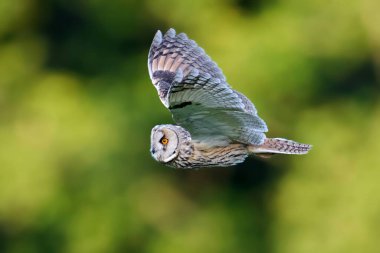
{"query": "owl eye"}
pixel 164 140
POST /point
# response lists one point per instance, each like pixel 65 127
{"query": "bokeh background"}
pixel 77 108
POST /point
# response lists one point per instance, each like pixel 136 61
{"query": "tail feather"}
pixel 279 146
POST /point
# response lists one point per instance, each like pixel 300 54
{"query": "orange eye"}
pixel 164 141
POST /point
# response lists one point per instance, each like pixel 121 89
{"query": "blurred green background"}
pixel 77 108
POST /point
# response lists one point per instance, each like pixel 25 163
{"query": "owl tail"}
pixel 273 146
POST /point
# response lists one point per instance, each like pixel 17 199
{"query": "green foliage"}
pixel 77 107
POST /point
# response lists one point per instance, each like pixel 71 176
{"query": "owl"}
pixel 217 126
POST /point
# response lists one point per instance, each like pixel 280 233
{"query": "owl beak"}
pixel 154 154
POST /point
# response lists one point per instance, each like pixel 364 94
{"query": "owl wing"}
pixel 195 90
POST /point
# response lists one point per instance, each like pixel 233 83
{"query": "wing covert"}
pixel 210 109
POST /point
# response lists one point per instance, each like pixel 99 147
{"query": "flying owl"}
pixel 217 126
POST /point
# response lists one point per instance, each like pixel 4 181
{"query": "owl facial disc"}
pixel 164 144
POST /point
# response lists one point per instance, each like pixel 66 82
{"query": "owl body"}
pixel 189 154
pixel 217 126
pixel 224 156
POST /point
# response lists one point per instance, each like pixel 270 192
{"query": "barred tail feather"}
pixel 273 146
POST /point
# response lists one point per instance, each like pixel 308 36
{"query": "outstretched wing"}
pixel 172 52
pixel 195 90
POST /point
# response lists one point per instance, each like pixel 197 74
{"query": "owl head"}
pixel 167 142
